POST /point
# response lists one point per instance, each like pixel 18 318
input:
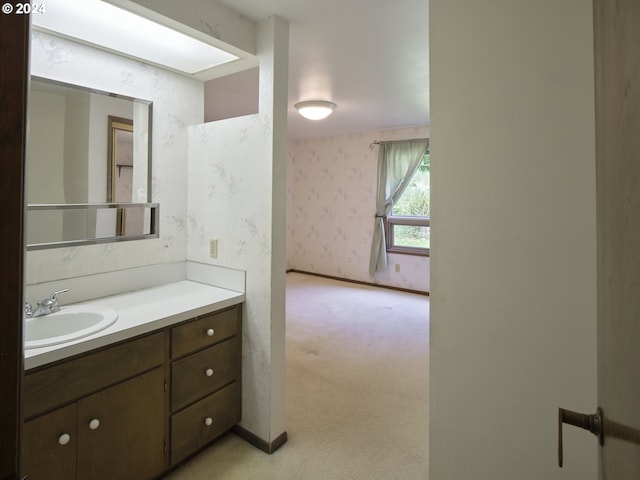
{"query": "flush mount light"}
pixel 316 109
pixel 112 28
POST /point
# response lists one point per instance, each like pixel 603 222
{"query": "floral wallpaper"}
pixel 230 200
pixel 177 103
pixel 331 202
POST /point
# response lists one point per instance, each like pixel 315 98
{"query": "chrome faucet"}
pixel 45 307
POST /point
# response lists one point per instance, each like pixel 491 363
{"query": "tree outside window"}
pixel 407 226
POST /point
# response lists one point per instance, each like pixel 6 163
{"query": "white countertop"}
pixel 141 312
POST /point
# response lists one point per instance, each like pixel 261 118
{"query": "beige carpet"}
pixel 356 390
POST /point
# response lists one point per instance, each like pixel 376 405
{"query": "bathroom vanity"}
pixel 134 407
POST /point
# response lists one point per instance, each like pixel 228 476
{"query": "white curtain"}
pixel 397 162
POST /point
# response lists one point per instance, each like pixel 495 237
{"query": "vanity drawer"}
pixel 53 386
pixel 203 421
pixel 204 331
pixel 197 375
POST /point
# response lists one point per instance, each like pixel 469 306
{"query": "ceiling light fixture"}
pixel 316 109
pixel 112 28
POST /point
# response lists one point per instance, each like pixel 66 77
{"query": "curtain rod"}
pixel 378 142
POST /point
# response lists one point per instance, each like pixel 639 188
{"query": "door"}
pixel 617 80
pixel 14 71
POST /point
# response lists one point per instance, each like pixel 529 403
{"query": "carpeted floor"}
pixel 356 390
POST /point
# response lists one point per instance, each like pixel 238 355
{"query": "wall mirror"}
pixel 87 149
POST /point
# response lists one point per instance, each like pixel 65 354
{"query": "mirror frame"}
pixel 154 223
pixel 154 230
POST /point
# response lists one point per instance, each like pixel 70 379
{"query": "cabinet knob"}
pixel 208 372
pixel 94 424
pixel 210 332
pixel 64 439
pixel 208 421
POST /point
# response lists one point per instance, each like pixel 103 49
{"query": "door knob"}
pixel 593 423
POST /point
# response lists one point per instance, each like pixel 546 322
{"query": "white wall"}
pixel 237 186
pixel 332 202
pixel 232 95
pixel 76 147
pixel 513 290
pixel 45 179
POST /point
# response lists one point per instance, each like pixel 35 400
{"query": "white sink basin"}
pixel 70 323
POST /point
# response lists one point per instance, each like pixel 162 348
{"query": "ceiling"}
pixel 370 58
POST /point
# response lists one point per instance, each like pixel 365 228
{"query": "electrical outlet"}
pixel 213 248
pixel 397 268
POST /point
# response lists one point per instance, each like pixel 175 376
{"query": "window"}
pixel 407 226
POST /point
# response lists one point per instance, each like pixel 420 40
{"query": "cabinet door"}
pixel 49 445
pixel 121 430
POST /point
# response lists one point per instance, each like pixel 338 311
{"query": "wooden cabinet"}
pixel 103 421
pixel 115 433
pixel 205 381
pixel 121 430
pixel 49 445
pixel 52 386
pixel 132 410
pixel 202 422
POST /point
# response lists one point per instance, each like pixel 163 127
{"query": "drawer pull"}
pixel 210 332
pixel 64 439
pixel 94 424
pixel 208 372
pixel 208 421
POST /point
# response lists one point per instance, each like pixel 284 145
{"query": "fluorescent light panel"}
pixel 107 26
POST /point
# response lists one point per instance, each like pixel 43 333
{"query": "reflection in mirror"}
pixel 69 149
pixel 88 167
pixel 64 225
pixel 120 170
pixel 120 157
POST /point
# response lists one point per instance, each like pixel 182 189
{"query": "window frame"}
pixel 412 221
pixel 391 220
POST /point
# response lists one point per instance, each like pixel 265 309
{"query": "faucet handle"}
pixel 51 303
pixel 28 309
pixel 53 295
